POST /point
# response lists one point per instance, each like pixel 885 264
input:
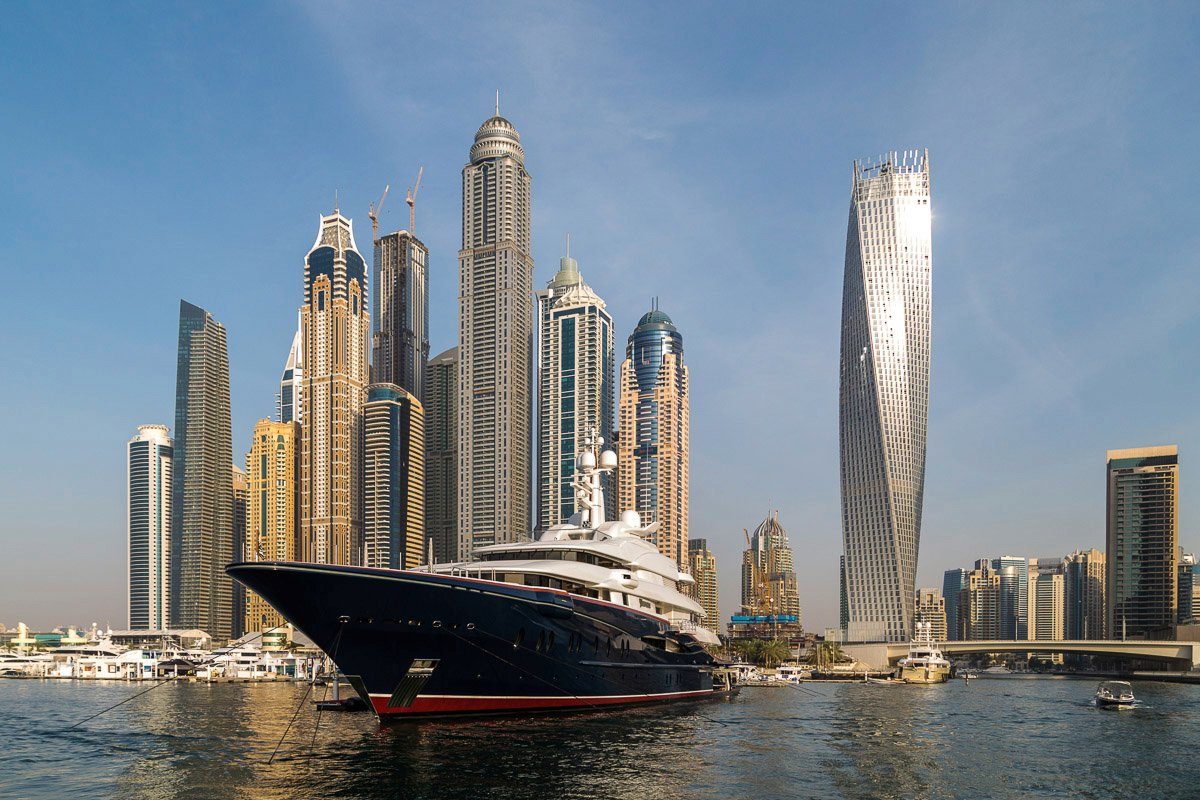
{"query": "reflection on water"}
pixel 993 738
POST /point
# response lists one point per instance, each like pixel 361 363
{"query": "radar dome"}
pixel 587 460
pixel 608 460
pixel 631 519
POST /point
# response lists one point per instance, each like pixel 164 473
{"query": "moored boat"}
pixel 924 662
pixel 588 616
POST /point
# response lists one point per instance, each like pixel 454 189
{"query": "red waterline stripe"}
pixel 455 704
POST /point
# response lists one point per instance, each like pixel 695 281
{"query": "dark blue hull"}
pixel 415 643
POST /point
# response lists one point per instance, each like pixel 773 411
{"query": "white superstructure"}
pixel 612 561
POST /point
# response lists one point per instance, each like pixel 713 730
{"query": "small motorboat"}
pixel 883 681
pixel 1114 693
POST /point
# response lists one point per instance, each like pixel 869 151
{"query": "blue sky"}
pixel 698 153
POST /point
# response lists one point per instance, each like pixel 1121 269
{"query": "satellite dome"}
pixel 587 460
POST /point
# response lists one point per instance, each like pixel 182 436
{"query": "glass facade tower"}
pixel 202 525
pixel 441 454
pixel 884 391
pixel 1143 541
pixel 400 316
pixel 575 379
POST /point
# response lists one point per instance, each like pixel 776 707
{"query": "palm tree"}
pixel 774 652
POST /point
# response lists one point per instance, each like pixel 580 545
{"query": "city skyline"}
pixel 1016 425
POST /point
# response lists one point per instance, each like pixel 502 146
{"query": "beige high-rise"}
pixel 931 607
pixel 495 385
pixel 1047 612
pixel 704 571
pixel 653 448
pixel 270 509
pixel 334 326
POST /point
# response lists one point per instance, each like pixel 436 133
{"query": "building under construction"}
pixel 770 598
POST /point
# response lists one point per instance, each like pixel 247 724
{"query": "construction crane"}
pixel 411 199
pixel 374 213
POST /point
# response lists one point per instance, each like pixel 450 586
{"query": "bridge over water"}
pixel 1180 655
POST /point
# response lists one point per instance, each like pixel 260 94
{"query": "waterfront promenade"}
pixel 995 739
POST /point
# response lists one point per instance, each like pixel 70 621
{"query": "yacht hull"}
pixel 422 644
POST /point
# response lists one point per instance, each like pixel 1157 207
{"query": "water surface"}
pixel 990 739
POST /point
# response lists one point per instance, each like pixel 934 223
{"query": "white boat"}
pixel 793 673
pixel 1114 694
pixel 924 662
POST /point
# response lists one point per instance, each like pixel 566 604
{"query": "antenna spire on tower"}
pixel 497 102
pixel 335 201
pixel 568 245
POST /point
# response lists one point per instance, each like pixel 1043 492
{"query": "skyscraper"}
pixel 704 571
pixel 953 582
pixel 1083 595
pixel 334 323
pixel 271 509
pixel 1142 540
pixel 1014 596
pixel 149 455
pixel 931 608
pixel 768 574
pixel 394 478
pixel 885 390
pixel 289 384
pixel 202 491
pixel 1189 587
pixel 654 446
pixel 400 316
pixel 575 385
pixel 495 381
pixel 979 604
pixel 1047 610
pixel 240 490
pixel 441 455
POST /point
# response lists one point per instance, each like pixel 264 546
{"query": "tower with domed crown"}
pixel 495 368
pixel 653 447
pixel 575 380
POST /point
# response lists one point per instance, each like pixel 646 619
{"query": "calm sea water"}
pixel 993 738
